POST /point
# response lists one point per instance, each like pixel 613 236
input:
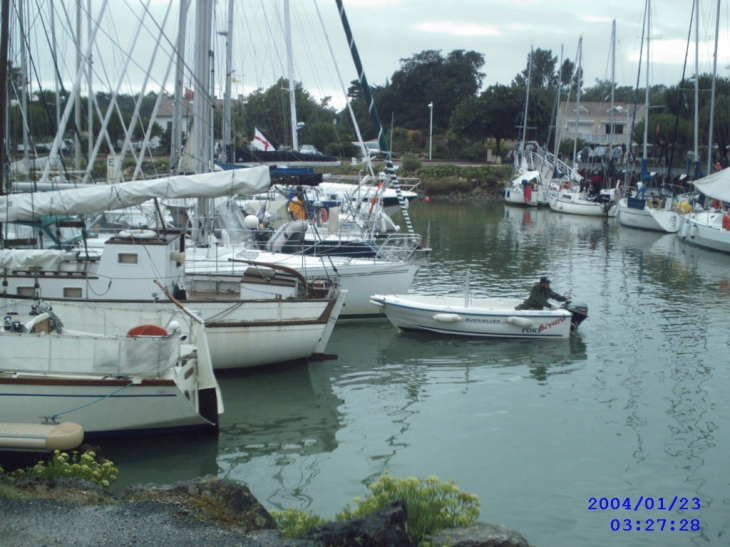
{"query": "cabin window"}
pixel 72 292
pixel 127 258
pixel 26 291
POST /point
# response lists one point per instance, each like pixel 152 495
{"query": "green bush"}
pixel 410 163
pixel 293 523
pixel 62 465
pixel 433 505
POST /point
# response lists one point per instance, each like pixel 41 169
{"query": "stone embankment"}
pixel 198 513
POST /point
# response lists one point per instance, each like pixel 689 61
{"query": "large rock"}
pixel 383 528
pixel 479 534
pixel 226 502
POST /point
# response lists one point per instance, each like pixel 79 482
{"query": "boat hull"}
pixel 241 334
pixel 645 218
pixel 706 230
pixel 491 318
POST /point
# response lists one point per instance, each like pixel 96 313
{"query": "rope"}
pixel 52 419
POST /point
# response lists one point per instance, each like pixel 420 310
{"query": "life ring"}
pixel 147 330
pixel 325 215
pixel 138 234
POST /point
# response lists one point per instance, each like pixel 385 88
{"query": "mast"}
pixel 382 141
pixel 227 129
pixel 577 100
pixel 4 37
pixel 176 130
pixel 292 87
pixel 527 101
pixel 712 95
pixel 613 85
pixel 646 91
pixel 697 85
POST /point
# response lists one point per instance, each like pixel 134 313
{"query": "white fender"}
pixel 448 317
pixel 520 321
pixel 693 231
pixel 685 229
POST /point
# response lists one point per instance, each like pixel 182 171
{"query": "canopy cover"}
pixel 716 185
pixel 105 197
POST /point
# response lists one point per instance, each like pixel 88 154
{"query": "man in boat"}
pixel 297 207
pixel 539 295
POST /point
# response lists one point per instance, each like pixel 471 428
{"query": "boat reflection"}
pixel 278 410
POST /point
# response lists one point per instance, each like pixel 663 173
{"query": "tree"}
pixel 430 78
pixel 543 74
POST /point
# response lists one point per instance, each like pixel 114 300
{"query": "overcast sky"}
pixel 387 31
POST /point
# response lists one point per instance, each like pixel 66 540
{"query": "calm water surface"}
pixel 633 406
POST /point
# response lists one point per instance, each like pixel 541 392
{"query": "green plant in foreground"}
pixel 433 505
pixel 293 523
pixel 62 465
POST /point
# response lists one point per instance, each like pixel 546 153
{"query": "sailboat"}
pixel 576 196
pixel 97 381
pixel 650 208
pixel 527 187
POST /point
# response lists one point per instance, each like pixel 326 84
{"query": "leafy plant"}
pixel 84 466
pixel 410 163
pixel 293 523
pixel 433 505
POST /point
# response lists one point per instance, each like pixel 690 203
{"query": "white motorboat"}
pixel 484 317
pixel 145 382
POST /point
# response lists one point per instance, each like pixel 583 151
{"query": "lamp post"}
pixel 430 131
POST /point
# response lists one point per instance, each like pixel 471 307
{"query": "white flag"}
pixel 260 142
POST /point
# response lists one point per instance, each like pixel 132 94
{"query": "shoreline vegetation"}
pixel 67 500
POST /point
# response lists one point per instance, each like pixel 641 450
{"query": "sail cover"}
pixel 716 185
pixel 105 197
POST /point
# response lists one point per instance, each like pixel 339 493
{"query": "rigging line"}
pixel 53 417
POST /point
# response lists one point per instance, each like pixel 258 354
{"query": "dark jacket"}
pixel 538 298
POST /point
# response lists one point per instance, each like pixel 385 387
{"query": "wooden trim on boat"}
pixel 83 382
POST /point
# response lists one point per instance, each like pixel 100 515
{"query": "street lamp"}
pixel 430 131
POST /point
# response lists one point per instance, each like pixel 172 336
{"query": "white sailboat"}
pixel 111 286
pixel 650 208
pixel 146 381
pixel 527 187
pixel 576 196
pixel 710 228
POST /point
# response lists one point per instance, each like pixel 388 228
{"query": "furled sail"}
pixel 104 197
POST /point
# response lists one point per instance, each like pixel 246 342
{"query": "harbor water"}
pixel 618 436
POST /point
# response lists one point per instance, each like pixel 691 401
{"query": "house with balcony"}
pixel 598 124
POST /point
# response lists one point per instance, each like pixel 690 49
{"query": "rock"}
pixel 383 528
pixel 225 502
pixel 479 534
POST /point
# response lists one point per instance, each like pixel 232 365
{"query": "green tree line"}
pixel 468 120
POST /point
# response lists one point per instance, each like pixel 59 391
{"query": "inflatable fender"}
pixel 520 321
pixel 283 234
pixel 448 317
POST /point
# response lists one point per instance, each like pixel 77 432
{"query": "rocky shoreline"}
pixel 200 512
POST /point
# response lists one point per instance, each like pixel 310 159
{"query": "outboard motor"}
pixel 579 311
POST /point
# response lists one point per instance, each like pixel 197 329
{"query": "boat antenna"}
pixel 382 141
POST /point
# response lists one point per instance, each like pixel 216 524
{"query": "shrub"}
pixel 410 163
pixel 433 505
pixel 62 465
pixel 293 523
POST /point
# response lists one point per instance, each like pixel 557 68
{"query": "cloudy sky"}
pixel 387 31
